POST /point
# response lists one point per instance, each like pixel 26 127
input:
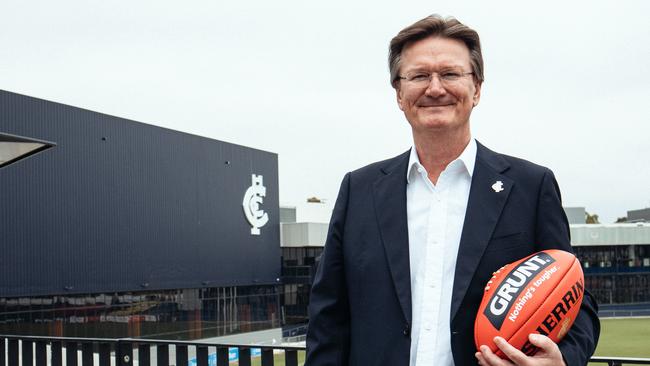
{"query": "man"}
pixel 414 239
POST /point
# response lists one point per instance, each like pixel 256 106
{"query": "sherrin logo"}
pixel 558 316
pixel 502 300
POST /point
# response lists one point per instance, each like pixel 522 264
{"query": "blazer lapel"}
pixel 483 211
pixel 389 194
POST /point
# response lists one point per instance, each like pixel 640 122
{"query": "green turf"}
pixel 624 338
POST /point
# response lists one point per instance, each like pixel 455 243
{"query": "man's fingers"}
pixel 547 348
pixel 549 353
pixel 488 358
pixel 511 352
pixel 542 341
pixel 479 357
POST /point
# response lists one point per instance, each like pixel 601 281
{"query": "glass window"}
pixel 14 148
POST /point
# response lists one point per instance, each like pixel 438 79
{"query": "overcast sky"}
pixel 567 83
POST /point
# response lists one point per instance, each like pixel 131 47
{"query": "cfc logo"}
pixel 253 198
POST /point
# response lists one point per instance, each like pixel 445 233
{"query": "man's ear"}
pixel 477 94
pixel 398 94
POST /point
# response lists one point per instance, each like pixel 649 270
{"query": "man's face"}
pixel 441 105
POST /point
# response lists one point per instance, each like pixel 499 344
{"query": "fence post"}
pixel 267 357
pixel 57 353
pixel 87 354
pixel 2 351
pixel 144 354
pixel 124 353
pixel 222 356
pixel 202 356
pixel 13 352
pixel 162 354
pixel 41 353
pixel 104 354
pixel 291 357
pixel 71 354
pixel 28 352
pixel 181 355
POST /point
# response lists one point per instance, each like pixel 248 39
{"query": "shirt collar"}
pixel 467 158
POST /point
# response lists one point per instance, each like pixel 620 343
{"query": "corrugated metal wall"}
pixel 610 234
pixel 119 205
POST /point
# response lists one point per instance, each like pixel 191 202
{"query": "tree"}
pixel 591 219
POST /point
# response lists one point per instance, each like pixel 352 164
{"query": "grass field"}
pixel 624 338
pixel 618 338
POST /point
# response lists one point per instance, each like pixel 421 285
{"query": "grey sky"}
pixel 566 82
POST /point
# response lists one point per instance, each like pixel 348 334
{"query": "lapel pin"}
pixel 498 186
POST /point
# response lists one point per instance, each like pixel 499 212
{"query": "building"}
pixel 576 215
pixel 642 215
pixel 302 244
pixel 616 262
pixel 114 228
pixel 615 259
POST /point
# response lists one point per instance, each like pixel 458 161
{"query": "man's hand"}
pixel 548 354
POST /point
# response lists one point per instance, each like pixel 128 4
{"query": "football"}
pixel 541 293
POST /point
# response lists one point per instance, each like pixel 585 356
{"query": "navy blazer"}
pixel 360 304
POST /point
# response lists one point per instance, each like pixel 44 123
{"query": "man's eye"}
pixel 450 75
pixel 419 77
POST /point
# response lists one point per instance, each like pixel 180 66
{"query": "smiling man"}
pixel 414 239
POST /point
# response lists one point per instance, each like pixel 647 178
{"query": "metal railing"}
pixel 16 350
pixel 620 361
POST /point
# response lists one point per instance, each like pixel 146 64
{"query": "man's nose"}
pixel 435 87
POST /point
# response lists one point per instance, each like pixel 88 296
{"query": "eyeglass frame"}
pixel 456 76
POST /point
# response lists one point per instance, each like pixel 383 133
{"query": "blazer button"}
pixel 407 330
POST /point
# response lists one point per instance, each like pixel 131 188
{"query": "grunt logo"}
pixel 508 290
pixel 253 198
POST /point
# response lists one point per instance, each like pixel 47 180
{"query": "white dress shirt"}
pixel 435 222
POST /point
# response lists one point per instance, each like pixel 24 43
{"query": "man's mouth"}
pixel 432 103
pixel 436 105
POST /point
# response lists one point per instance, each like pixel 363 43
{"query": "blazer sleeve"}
pixel 328 334
pixel 552 231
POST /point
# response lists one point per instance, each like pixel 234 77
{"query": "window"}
pixel 14 148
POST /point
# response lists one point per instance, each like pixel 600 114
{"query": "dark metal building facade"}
pixel 125 210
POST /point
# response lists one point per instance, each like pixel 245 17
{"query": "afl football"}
pixel 541 293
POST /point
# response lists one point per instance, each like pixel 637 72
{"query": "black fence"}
pixel 620 361
pixel 59 351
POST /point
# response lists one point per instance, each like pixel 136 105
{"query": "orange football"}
pixel 541 293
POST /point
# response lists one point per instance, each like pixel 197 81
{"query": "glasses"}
pixel 423 79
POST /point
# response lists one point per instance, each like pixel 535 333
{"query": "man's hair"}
pixel 435 26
